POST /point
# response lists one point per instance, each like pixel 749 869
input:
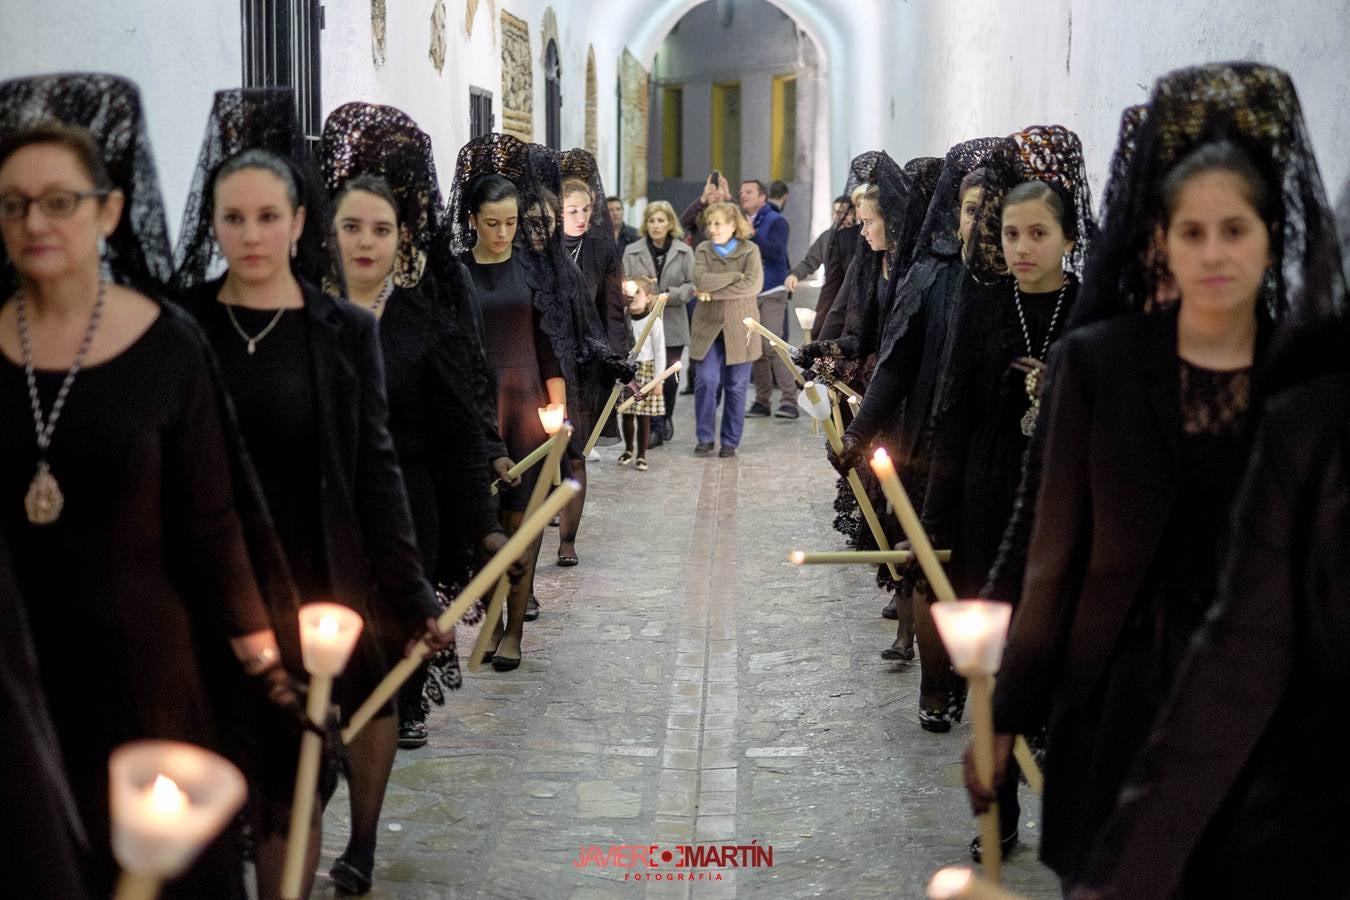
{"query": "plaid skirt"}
pixel 654 404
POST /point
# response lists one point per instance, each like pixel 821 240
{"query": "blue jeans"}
pixel 714 376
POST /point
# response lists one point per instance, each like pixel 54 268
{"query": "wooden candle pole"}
pixel 982 727
pixel 479 585
pixel 938 581
pixel 869 512
pixel 608 408
pixel 780 346
pixel 306 787
pixel 650 386
pixel 857 557
pixel 136 886
pixel 557 446
pixel 523 466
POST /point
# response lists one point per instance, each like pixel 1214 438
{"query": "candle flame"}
pixel 881 455
pixel 950 882
pixel 797 557
pixel 165 797
pixel 328 626
pixel 630 287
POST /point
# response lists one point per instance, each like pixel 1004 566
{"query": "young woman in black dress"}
pixel 528 373
pixel 118 498
pixel 305 372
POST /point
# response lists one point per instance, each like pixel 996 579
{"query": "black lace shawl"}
pixel 109 107
pixel 566 314
pixel 244 119
pixel 1049 153
pixel 579 163
pixel 368 139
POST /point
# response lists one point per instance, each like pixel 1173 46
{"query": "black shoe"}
pixel 658 437
pixel 899 650
pixel 704 448
pixel 667 430
pixel 888 611
pixel 553 522
pixel 412 734
pixel 349 879
pixel 936 722
pixel 505 663
pixel 786 411
pixel 726 453
pixel 1008 843
pixel 532 603
pixel 688 388
pixel 757 410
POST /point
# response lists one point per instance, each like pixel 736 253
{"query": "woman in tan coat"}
pixel 727 277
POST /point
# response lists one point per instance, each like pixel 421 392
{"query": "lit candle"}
pixel 328 632
pixel 960 883
pixel 552 416
pixel 168 801
pixel 630 288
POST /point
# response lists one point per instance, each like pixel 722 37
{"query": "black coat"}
pixel 1110 483
pixel 41 830
pixel 1243 774
pixel 604 282
pixel 369 545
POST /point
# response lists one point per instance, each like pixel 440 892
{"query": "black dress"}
pixel 522 360
pixel 293 447
pixel 978 444
pixel 133 591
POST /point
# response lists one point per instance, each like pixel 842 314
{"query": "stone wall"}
pixel 517 100
pixel 633 89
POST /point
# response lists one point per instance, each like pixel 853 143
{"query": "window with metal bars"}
pixel 552 97
pixel 480 112
pixel 281 49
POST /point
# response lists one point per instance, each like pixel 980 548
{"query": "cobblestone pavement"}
pixel 686 684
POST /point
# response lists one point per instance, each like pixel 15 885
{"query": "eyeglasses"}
pixel 54 205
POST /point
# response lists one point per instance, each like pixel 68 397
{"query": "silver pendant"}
pixel 1029 418
pixel 44 500
pixel 251 347
pixel 1032 385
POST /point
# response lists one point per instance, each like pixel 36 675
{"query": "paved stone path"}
pixel 686 684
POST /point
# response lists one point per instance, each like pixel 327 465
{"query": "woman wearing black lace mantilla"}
pixel 388 220
pixel 1151 403
pixel 914 348
pixel 305 372
pixel 539 328
pixel 130 512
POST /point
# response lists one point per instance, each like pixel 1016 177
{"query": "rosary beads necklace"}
pixel 44 500
pixel 1033 379
pixel 383 297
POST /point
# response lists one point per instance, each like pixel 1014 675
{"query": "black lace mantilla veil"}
pixel 369 139
pixel 244 119
pixel 1256 107
pixel 109 107
pixel 1049 153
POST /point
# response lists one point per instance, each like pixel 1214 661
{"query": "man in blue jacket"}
pixel 771 235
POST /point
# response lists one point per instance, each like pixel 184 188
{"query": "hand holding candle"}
pixel 650 386
pixel 169 800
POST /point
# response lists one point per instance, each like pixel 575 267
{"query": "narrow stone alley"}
pixel 685 684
